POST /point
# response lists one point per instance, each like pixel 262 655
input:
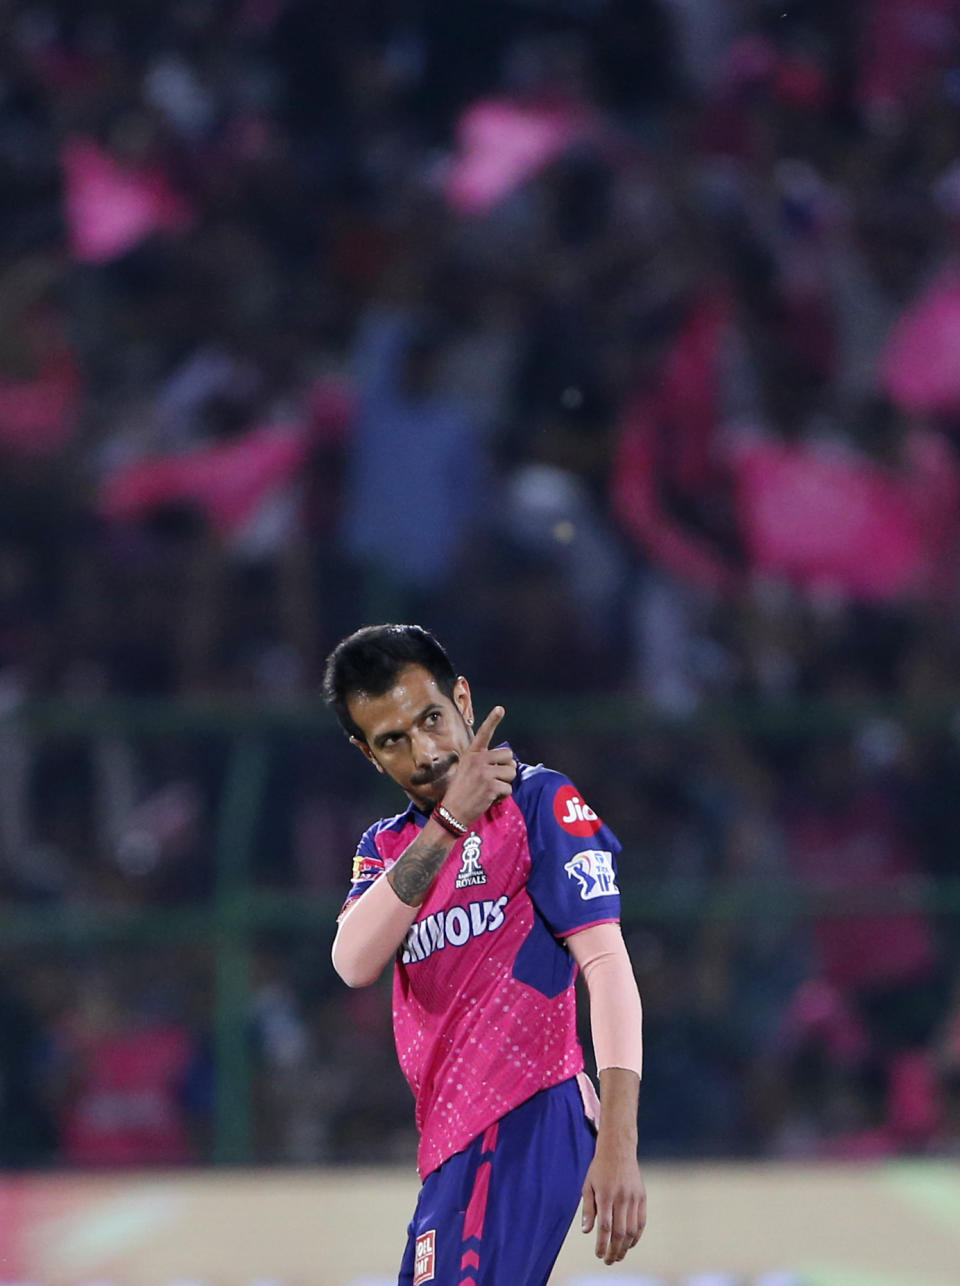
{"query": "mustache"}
pixel 434 774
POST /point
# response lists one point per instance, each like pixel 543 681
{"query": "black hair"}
pixel 370 659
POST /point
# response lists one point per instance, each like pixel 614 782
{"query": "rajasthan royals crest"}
pixel 471 872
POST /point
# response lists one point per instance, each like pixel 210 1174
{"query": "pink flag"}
pixel 110 208
pixel 501 143
pixel 836 520
pixel 920 367
pixel 227 480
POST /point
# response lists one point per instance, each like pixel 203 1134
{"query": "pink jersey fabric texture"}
pixel 484 1008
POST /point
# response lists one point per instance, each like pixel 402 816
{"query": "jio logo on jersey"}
pixel 593 871
pixel 575 816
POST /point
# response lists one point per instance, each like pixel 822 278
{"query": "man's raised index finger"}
pixel 486 729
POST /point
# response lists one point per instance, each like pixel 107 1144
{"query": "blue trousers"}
pixel 497 1213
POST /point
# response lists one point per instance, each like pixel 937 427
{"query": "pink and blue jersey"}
pixel 484 1007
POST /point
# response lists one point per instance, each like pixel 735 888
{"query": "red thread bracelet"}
pixel 449 823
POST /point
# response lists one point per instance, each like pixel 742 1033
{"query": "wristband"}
pixel 449 823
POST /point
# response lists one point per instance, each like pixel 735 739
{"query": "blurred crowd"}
pixel 615 340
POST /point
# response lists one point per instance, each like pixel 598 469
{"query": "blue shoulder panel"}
pixel 573 877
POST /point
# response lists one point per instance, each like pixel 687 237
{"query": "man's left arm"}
pixel 614 1197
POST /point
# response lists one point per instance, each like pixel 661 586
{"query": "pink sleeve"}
pixel 616 1016
pixel 370 931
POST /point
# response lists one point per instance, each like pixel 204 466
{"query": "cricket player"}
pixel 488 892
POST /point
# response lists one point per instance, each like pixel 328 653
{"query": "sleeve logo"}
pixel 365 867
pixel 593 871
pixel 575 816
pixel 425 1258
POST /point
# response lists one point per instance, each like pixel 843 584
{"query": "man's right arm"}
pixel 371 931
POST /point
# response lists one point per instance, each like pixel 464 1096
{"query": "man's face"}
pixel 414 733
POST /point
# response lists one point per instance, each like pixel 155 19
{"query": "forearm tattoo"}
pixel 416 870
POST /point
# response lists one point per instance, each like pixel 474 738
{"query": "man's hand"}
pixel 614 1198
pixel 483 776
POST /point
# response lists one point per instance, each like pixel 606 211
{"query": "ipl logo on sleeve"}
pixel 425 1258
pixel 593 870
